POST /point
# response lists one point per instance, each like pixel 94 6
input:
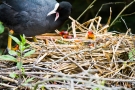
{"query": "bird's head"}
pixel 61 10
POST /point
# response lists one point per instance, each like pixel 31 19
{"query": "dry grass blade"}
pixel 78 63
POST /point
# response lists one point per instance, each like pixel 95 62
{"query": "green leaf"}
pixel 23 70
pixel 15 39
pixel 27 46
pixel 21 47
pixel 12 75
pixel 12 52
pixel 23 40
pixel 131 55
pixel 96 89
pixel 8 58
pixel 19 65
pixel 29 53
pixel 1 28
pixel 28 80
pixel 103 83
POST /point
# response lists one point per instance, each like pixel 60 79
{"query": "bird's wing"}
pixel 26 16
pixel 17 9
pixel 21 5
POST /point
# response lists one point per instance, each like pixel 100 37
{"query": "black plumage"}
pixel 34 17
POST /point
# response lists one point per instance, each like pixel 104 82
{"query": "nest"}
pixel 80 63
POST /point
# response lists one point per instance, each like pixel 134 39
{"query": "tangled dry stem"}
pixel 79 63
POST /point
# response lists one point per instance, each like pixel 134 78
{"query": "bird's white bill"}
pixel 54 10
pixel 57 16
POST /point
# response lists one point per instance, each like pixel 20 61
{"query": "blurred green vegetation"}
pixel 80 5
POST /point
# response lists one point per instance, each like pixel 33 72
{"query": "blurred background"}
pixel 117 5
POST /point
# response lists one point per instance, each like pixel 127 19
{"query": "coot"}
pixel 34 17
